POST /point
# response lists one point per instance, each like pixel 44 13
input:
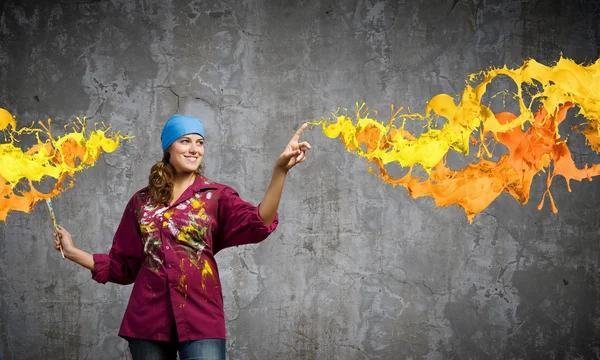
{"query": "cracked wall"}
pixel 356 269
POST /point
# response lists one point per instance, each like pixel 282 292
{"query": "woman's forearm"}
pixel 268 206
pixel 81 257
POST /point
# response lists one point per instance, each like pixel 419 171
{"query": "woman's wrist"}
pixel 80 257
pixel 71 253
pixel 280 171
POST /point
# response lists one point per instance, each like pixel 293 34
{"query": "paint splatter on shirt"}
pixel 167 252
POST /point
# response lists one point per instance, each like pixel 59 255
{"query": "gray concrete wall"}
pixel 357 269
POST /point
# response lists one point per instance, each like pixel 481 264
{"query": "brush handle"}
pixel 49 203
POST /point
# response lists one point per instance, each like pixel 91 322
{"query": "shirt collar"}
pixel 202 183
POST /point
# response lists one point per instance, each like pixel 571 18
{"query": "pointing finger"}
pixel 299 132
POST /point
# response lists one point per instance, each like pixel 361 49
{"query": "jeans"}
pixel 209 349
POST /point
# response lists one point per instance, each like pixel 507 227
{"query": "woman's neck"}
pixel 180 184
pixel 184 180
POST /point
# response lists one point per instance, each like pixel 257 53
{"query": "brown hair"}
pixel 160 182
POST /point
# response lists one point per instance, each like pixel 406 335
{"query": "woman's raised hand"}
pixel 294 153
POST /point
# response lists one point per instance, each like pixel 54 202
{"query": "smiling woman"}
pixel 186 153
pixel 183 146
pixel 166 242
pixel 183 139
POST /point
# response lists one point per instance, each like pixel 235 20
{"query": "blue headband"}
pixel 177 126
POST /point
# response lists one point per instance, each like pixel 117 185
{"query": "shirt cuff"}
pixel 267 228
pixel 101 268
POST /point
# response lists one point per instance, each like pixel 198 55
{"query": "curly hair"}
pixel 160 182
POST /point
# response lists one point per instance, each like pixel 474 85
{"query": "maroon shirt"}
pixel 168 253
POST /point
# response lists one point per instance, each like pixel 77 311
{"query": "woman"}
pixel 166 242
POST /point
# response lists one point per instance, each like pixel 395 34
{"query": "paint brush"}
pixel 49 203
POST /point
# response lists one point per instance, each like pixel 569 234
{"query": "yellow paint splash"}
pixel 6 119
pixel 196 204
pixel 184 233
pixel 544 94
pixel 57 158
pixel 182 285
pixel 206 270
pixel 148 228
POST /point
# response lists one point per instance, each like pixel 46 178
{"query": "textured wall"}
pixel 356 269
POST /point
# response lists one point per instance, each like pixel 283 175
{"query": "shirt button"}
pixel 170 266
pixel 167 248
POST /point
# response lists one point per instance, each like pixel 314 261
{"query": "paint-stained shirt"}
pixel 168 253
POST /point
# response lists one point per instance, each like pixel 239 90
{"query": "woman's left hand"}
pixel 294 152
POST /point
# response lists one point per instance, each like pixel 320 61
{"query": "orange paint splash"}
pixel 544 95
pixel 57 158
